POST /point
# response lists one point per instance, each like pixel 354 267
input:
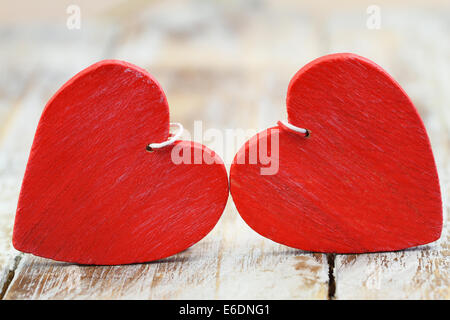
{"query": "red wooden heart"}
pixel 364 181
pixel 92 194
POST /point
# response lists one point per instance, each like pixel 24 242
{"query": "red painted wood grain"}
pixel 92 194
pixel 364 181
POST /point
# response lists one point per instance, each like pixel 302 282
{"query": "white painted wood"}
pixel 13 156
pixel 253 267
pixel 230 263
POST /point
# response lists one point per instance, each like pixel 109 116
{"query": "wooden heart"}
pixel 92 194
pixel 365 180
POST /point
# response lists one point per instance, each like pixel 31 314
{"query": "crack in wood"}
pixel 331 279
pixel 10 276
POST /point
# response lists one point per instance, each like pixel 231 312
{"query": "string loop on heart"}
pixel 173 137
pixel 290 127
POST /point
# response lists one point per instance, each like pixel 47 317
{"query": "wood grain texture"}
pixel 16 91
pixel 253 267
pixel 231 262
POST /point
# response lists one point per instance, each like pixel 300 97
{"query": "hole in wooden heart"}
pixel 307 133
pixel 149 149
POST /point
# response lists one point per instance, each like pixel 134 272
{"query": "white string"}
pixel 293 128
pixel 171 140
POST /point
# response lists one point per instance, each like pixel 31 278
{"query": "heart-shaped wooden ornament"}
pixel 365 179
pixel 93 194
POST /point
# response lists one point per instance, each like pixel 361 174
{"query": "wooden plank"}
pixel 11 101
pixel 253 267
pixel 419 62
pixel 420 273
pixel 231 262
pixel 38 278
pixel 13 156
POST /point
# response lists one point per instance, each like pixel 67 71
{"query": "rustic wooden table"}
pixel 227 63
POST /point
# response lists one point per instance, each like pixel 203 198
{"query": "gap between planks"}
pixel 9 277
pixel 331 259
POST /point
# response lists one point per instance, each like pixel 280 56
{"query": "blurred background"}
pixel 225 62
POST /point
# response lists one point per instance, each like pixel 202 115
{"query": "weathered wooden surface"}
pixel 231 262
pixel 227 64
